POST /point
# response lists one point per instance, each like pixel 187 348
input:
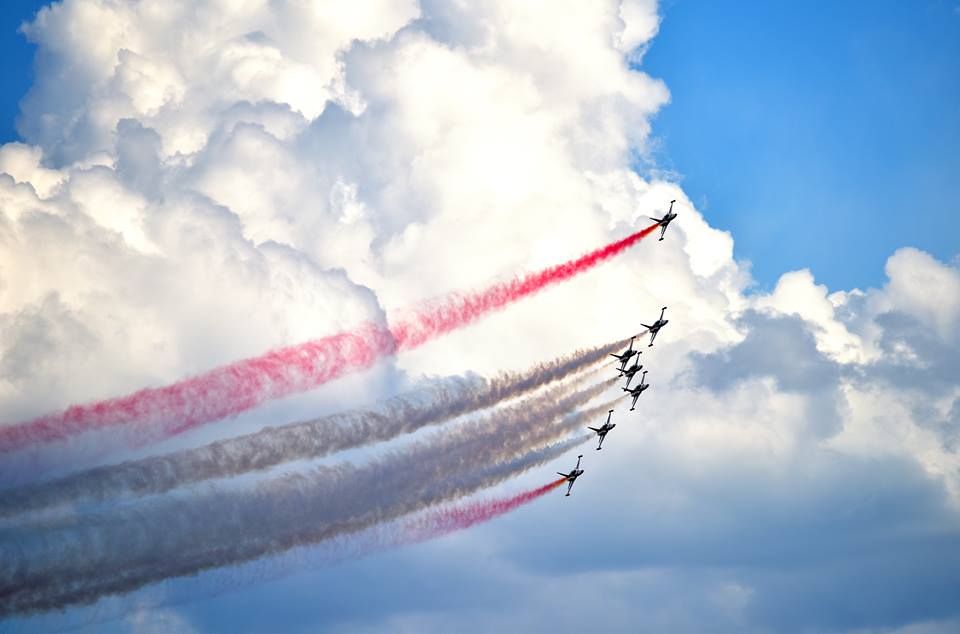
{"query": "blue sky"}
pixel 17 55
pixel 823 135
pixel 788 127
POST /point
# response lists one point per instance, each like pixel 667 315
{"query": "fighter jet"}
pixel 626 356
pixel 655 327
pixel 604 430
pixel 665 220
pixel 573 475
pixel 637 391
pixel 631 371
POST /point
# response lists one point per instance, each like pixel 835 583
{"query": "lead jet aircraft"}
pixel 637 391
pixel 604 430
pixel 626 356
pixel 573 475
pixel 655 327
pixel 665 221
pixel 631 371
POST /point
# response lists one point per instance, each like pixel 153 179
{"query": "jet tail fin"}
pixel 594 429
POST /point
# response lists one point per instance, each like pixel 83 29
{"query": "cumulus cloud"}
pixel 198 182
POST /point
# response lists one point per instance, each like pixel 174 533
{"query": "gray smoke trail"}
pixel 304 557
pixel 99 585
pixel 60 564
pixel 344 546
pixel 309 439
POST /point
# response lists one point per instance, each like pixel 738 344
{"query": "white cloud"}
pixel 796 293
pixel 149 621
pixel 23 163
pixel 925 288
pixel 640 25
pixel 177 65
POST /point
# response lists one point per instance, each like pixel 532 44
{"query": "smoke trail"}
pixel 347 546
pixel 454 449
pixel 61 593
pixel 309 439
pixel 156 413
pixel 444 521
pixel 53 565
pixel 431 524
pixel 395 534
pixel 422 325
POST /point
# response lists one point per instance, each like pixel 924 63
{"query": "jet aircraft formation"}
pixel 629 372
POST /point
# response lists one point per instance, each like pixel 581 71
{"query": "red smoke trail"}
pixel 445 521
pixel 456 311
pixel 162 412
pixel 166 411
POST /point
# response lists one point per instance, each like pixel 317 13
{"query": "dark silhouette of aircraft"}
pixel 637 391
pixel 665 221
pixel 631 371
pixel 627 354
pixel 604 429
pixel 571 477
pixel 655 327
